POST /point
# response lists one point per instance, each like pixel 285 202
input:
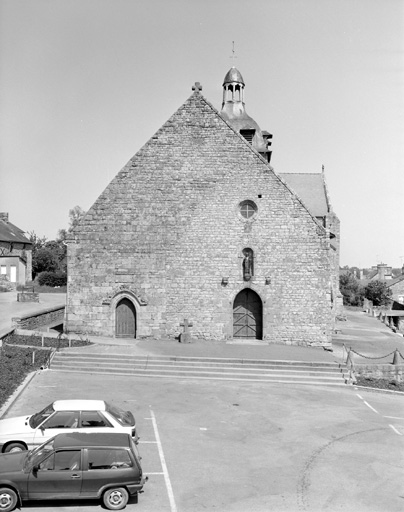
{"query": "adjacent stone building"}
pixel 15 253
pixel 199 229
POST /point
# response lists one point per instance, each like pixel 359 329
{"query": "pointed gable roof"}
pixel 192 148
pixel 310 187
pixel 12 234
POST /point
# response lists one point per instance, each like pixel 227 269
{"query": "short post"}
pixel 33 357
pixel 396 357
pixel 185 337
pixel 349 359
pixel 42 341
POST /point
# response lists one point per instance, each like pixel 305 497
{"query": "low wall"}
pixel 32 321
pixel 380 371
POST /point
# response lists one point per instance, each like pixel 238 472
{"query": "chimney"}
pixel 4 216
pixel 382 270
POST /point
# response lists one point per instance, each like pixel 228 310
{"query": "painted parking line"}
pixel 395 430
pixel 393 417
pixel 163 464
pixel 377 412
pixel 370 407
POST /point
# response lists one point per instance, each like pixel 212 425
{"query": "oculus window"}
pixel 248 209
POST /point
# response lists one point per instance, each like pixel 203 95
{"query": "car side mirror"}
pixel 35 469
pixel 42 428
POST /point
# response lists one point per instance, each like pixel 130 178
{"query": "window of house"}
pixel 3 270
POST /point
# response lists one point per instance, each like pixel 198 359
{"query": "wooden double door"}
pixel 247 315
pixel 125 319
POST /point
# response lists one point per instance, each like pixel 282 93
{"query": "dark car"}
pixel 73 466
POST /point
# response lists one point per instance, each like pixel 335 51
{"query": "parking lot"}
pixel 236 447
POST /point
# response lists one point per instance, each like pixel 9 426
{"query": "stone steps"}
pixel 298 372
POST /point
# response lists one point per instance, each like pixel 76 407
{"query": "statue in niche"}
pixel 248 264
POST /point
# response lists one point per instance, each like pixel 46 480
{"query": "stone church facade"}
pixel 199 228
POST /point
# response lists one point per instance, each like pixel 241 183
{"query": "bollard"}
pixel 33 357
pixel 349 360
pixel 43 340
pixel 396 357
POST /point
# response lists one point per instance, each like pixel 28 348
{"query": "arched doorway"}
pixel 247 315
pixel 125 319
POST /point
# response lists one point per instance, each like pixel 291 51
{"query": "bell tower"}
pixel 233 111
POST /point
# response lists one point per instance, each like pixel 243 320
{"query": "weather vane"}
pixel 233 56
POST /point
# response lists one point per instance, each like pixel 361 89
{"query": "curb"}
pixel 378 390
pixel 10 401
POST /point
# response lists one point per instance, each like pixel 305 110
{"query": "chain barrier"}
pixel 368 357
pixel 344 349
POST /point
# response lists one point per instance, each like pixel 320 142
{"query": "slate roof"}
pixel 396 280
pixel 311 189
pixel 10 233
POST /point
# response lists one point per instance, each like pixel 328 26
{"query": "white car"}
pixel 61 417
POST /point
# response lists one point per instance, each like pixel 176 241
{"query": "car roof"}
pixel 79 405
pixel 99 439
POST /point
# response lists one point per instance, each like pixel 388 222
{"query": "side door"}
pixel 60 422
pixel 58 476
pixel 104 466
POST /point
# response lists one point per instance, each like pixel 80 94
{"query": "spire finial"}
pixel 233 51
pixel 197 87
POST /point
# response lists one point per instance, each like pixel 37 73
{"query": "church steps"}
pixel 194 360
pixel 203 368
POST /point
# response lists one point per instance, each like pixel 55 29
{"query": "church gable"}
pixel 195 220
pixel 195 152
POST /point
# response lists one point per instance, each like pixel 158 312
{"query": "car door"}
pixel 58 476
pixel 60 422
pixel 107 466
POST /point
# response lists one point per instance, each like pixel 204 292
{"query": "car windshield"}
pixel 35 456
pixel 123 417
pixel 38 418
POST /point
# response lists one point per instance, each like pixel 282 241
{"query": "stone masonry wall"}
pixel 168 228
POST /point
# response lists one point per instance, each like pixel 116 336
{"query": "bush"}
pixel 52 279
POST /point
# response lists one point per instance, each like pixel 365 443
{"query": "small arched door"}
pixel 125 319
pixel 247 315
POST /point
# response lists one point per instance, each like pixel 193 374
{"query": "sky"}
pixel 84 84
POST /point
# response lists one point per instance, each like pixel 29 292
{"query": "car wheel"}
pixel 116 498
pixel 14 447
pixel 8 499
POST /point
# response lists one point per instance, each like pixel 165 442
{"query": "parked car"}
pixel 73 466
pixel 62 416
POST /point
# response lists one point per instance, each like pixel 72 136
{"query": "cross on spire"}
pixel 197 87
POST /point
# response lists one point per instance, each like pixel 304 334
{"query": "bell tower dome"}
pixel 233 111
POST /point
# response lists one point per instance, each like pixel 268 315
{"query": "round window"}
pixel 248 209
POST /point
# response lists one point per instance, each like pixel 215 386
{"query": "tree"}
pixel 351 290
pixel 75 216
pixel 378 292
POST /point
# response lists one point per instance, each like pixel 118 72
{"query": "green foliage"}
pixel 15 364
pixel 351 290
pixel 52 279
pixel 378 292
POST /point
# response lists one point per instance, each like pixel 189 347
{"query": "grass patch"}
pixel 372 382
pixel 36 341
pixel 15 364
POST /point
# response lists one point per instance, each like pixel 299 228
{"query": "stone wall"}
pixel 168 229
pixel 44 317
pixel 380 371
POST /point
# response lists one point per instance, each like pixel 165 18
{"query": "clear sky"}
pixel 85 83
